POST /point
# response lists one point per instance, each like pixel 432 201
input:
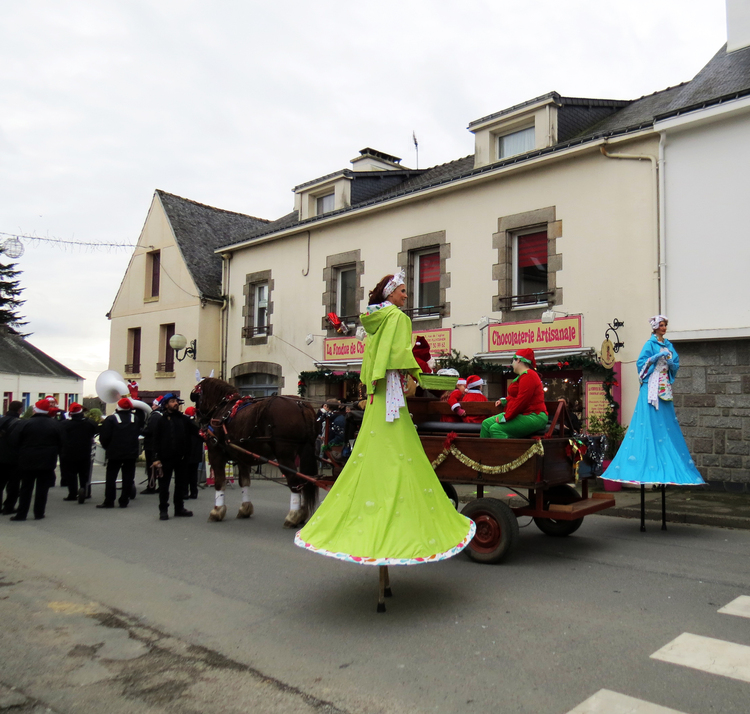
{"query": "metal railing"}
pixel 134 368
pixel 250 332
pixel 165 366
pixel 511 301
pixel 426 311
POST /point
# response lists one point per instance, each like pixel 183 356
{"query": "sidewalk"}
pixel 695 505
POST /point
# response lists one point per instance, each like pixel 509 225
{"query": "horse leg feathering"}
pixel 246 509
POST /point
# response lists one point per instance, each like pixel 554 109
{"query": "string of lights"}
pixel 63 242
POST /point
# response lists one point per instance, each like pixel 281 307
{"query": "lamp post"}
pixel 179 342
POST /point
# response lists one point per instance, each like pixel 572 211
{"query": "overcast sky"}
pixel 232 104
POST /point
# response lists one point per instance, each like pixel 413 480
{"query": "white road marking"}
pixel 708 655
pixel 739 606
pixel 608 702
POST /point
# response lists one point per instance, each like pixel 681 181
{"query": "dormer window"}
pixel 517 142
pixel 324 204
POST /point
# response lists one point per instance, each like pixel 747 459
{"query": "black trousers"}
pixel 75 473
pixel 179 469
pixel 128 479
pixel 42 479
pixel 10 482
pixel 191 479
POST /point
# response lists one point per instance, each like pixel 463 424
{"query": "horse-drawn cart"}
pixel 545 466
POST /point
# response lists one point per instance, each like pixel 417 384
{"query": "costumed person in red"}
pixel 421 352
pixel 473 394
pixel 525 411
pixel 454 400
pixel 133 388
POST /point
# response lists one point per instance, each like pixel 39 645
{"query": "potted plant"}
pixel 613 433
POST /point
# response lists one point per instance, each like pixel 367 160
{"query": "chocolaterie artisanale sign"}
pixel 564 332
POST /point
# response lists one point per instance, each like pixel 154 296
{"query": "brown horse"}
pixel 279 427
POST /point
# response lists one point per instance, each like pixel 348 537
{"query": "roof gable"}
pixel 17 356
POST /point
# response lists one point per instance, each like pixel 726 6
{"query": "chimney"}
pixel 738 25
pixel 373 160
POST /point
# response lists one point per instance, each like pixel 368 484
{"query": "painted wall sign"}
pixel 596 400
pixel 564 332
pixel 343 348
pixel 438 340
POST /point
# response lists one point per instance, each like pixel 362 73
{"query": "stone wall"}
pixel 712 402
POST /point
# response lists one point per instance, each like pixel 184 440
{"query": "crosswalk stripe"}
pixel 709 655
pixel 608 702
pixel 739 606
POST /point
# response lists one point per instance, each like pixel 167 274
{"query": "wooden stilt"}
pixel 387 591
pixel 664 506
pixel 643 508
pixel 381 592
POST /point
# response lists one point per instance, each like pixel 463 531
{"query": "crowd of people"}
pixel 30 449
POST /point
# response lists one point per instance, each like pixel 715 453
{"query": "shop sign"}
pixel 607 356
pixel 563 333
pixel 596 400
pixel 438 340
pixel 343 348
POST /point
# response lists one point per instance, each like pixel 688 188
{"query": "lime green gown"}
pixel 387 507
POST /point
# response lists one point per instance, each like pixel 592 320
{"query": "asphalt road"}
pixel 117 607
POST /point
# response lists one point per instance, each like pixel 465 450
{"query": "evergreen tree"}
pixel 10 290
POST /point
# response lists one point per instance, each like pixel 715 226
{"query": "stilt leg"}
pixel 381 592
pixel 387 590
pixel 664 506
pixel 643 508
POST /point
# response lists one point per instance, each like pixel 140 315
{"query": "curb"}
pixel 688 518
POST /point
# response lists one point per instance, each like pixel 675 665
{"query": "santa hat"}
pixel 75 408
pixel 190 411
pixel 527 356
pixel 51 400
pixel 124 404
pixel 43 406
pixel 156 402
pixel 421 352
pixel 473 382
pixel 460 380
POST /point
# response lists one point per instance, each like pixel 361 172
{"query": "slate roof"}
pixel 17 356
pixel 199 230
pixel 726 76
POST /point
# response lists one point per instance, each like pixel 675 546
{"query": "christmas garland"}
pixel 323 375
pixel 450 449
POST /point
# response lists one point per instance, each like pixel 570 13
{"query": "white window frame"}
pixel 530 131
pixel 260 309
pixel 515 268
pixel 417 297
pixel 340 270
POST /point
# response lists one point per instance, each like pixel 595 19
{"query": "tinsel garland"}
pixel 537 448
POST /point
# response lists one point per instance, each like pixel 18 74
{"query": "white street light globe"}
pixel 178 341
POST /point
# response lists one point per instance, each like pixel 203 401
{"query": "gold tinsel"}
pixel 537 448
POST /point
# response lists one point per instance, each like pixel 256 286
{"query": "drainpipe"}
pixel 655 185
pixel 225 260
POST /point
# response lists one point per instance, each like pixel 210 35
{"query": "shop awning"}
pixel 541 356
pixel 340 365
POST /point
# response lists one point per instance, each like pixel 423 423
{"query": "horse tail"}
pixel 308 464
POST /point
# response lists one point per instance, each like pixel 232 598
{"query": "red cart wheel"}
pixel 497 530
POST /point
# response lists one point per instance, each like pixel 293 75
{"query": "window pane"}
pixel 531 267
pixel 155 272
pixel 428 279
pixel 346 293
pixel 517 143
pixel 261 308
pixel 324 204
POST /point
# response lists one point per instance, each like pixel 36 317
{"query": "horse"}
pixel 278 427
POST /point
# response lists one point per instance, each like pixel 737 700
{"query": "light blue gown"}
pixel 654 450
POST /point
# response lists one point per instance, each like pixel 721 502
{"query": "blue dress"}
pixel 654 450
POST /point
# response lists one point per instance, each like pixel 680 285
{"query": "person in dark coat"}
pixel 195 457
pixel 119 437
pixel 75 462
pixel 148 445
pixel 172 442
pixel 10 476
pixel 39 441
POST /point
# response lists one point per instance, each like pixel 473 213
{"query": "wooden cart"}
pixel 544 466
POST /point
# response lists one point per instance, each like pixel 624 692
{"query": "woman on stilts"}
pixel 654 451
pixel 387 507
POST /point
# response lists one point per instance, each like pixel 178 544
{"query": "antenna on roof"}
pixel 416 145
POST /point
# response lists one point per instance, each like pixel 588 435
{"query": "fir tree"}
pixel 10 290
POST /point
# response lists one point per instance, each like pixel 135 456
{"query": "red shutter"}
pixel 532 250
pixel 429 268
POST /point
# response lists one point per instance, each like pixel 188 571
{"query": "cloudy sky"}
pixel 232 104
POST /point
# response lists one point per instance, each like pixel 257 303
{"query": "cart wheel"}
pixel 451 493
pixel 133 491
pixel 563 495
pixel 497 530
pixel 81 495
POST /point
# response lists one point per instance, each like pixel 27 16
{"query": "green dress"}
pixel 387 507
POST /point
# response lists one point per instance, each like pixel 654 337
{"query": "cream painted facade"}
pixel 178 303
pixel 604 223
pixel 65 389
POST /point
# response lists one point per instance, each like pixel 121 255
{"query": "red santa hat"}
pixel 75 408
pixel 460 380
pixel 156 401
pixel 473 382
pixel 51 400
pixel 124 404
pixel 527 356
pixel 190 411
pixel 43 406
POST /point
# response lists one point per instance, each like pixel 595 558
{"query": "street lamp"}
pixel 179 342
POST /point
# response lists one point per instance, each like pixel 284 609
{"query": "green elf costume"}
pixel 525 411
pixel 387 507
